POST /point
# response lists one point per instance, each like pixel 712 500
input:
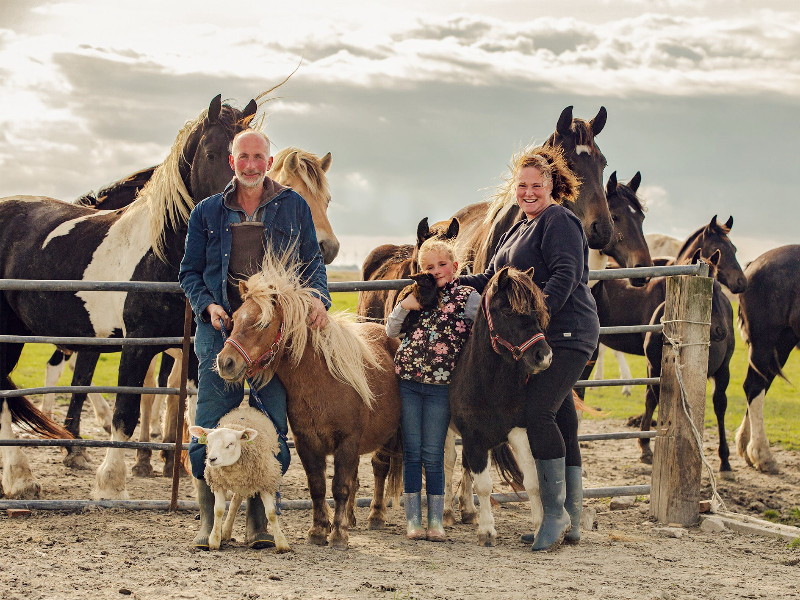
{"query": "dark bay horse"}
pixel 482 224
pixel 486 393
pixel 390 261
pixel 769 320
pixel 142 242
pixel 343 397
pixel 720 351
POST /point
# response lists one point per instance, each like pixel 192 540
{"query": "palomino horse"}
pixel 343 398
pixel 390 261
pixel 769 320
pixel 143 242
pixel 487 390
pixel 482 224
pixel 304 172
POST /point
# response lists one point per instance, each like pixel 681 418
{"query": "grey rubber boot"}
pixel 574 503
pixel 256 525
pixel 435 531
pixel 553 491
pixel 205 497
pixel 413 505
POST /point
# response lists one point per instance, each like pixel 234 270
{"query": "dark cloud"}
pixel 465 29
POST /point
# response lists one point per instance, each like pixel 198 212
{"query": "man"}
pixel 226 241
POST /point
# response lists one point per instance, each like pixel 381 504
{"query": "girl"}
pixel 424 362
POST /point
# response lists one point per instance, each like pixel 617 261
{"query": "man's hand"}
pixel 216 312
pixel 317 316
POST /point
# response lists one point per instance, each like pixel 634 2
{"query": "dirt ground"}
pixel 110 553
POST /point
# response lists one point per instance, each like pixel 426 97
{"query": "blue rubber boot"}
pixel 435 531
pixel 205 498
pixel 414 528
pixel 553 491
pixel 574 503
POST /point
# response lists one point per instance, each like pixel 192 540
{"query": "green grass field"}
pixel 781 409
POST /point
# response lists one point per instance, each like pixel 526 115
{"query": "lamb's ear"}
pixel 197 431
pixel 248 435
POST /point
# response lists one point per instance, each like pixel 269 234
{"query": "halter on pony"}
pixel 516 351
pixel 259 364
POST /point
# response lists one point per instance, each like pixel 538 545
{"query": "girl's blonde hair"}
pixel 439 245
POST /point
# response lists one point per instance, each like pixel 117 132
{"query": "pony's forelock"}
pixel 525 297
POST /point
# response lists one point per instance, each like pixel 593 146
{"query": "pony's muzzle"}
pixel 538 358
pixel 230 366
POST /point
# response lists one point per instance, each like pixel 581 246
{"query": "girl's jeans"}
pixel 425 419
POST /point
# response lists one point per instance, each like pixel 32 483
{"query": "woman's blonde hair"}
pixel 436 244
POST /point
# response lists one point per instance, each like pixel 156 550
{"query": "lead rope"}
pixel 716 500
pixel 254 394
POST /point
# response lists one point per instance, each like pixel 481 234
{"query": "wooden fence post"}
pixel 677 462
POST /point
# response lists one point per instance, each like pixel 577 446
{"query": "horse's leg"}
pixel 85 363
pixel 168 370
pixel 143 468
pixel 624 371
pixel 598 367
pixel 721 379
pixel 281 544
pixel 102 410
pixel 448 518
pixel 314 466
pixel 651 398
pixel 381 460
pixel 18 481
pixel 171 414
pixel 476 459
pixel 518 438
pixel 466 498
pixel 345 473
pixel 110 478
pixel 52 373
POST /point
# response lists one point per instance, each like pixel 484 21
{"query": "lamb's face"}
pixel 224 446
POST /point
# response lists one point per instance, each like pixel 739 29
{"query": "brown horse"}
pixel 390 261
pixel 482 224
pixel 343 396
pixel 769 319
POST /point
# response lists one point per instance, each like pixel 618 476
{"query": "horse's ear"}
pixel 529 272
pixel 325 163
pixel 729 223
pixel 715 258
pixel 502 278
pixel 635 182
pixel 242 288
pixel 214 109
pixel 249 110
pixel 292 163
pixel 611 186
pixel 423 231
pixel 564 125
pixel 713 221
pixel 696 257
pixel 452 230
pixel 599 121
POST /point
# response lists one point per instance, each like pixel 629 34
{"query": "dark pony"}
pixel 769 319
pixel 343 397
pixel 487 390
pixel 142 242
pixel 390 261
pixel 482 223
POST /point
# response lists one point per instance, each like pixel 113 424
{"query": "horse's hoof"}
pixel 727 475
pixel 28 490
pixel 487 540
pixel 646 458
pixel 448 520
pixel 318 539
pixel 377 523
pixel 143 470
pixel 469 518
pixel 282 549
pixel 78 460
pixel 338 542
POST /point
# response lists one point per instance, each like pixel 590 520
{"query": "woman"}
pixel 551 240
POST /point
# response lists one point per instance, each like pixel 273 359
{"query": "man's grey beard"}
pixel 258 182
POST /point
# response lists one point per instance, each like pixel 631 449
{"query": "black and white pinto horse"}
pixel 142 242
pixel 769 320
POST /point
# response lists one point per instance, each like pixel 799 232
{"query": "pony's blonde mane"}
pixel 344 346
pixel 525 297
pixel 310 171
pixel 164 197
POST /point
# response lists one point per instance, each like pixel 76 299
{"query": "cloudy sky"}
pixel 421 103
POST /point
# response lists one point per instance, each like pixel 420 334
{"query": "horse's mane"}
pixel 310 170
pixel 628 194
pixel 342 343
pixel 524 296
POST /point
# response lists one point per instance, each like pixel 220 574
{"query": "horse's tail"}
pixel 28 417
pixel 503 459
pixel 394 481
pixel 580 405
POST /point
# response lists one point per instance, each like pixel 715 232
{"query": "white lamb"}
pixel 241 458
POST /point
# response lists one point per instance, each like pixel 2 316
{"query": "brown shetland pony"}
pixel 343 395
pixel 389 261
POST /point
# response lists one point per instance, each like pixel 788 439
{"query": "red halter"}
pixel 259 364
pixel 516 351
